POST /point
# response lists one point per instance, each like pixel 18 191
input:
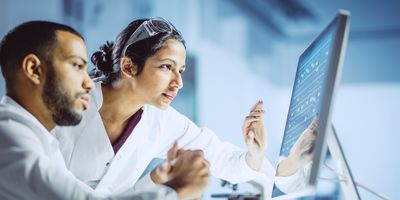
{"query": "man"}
pixel 44 65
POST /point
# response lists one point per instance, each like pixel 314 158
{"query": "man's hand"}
pixel 189 175
pixel 254 136
pixel 163 172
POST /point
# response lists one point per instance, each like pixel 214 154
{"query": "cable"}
pixel 342 178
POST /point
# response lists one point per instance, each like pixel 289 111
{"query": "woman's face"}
pixel 161 78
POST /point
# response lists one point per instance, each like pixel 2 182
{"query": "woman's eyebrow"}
pixel 169 59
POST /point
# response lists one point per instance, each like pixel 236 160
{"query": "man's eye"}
pixel 77 65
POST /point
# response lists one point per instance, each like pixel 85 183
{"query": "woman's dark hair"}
pixel 106 60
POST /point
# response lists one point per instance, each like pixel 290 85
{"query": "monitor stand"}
pixel 347 183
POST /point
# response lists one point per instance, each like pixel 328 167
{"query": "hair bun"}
pixel 103 59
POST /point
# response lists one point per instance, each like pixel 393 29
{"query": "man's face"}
pixel 67 83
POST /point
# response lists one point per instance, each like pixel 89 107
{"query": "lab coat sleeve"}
pixel 27 172
pixel 295 182
pixel 144 183
pixel 227 161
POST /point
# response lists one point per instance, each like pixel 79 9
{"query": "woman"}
pixel 130 121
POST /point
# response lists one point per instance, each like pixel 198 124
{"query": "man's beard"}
pixel 60 103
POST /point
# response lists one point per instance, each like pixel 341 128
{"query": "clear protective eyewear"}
pixel 148 29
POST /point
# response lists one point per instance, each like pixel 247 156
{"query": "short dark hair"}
pixel 37 37
pixel 106 60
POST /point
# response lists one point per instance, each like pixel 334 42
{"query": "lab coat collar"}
pixel 97 95
pixel 43 133
pixel 20 110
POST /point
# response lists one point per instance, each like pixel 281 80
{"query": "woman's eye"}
pixel 167 67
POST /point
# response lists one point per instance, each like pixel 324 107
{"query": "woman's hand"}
pixel 254 136
pixel 302 151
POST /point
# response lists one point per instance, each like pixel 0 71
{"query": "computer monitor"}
pixel 309 118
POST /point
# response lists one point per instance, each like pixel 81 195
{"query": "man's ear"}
pixel 128 68
pixel 32 68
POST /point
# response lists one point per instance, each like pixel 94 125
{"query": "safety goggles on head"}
pixel 148 29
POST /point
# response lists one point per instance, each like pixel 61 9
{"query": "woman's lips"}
pixel 170 96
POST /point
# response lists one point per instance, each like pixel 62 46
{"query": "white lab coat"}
pixel 32 167
pixel 90 156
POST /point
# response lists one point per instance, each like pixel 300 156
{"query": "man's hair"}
pixel 36 37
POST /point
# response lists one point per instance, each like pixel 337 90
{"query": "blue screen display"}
pixel 310 81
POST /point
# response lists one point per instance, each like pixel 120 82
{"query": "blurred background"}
pixel 240 51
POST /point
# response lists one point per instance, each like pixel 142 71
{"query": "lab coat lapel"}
pixel 94 149
pixel 126 168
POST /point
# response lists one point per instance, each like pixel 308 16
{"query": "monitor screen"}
pixel 303 147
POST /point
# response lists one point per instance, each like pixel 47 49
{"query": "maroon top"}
pixel 133 121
